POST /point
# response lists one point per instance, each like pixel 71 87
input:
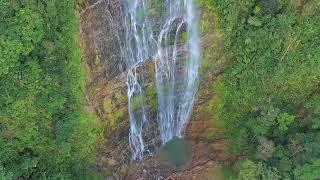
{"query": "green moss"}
pixel 116 117
pixel 208 19
pixel 183 37
pixel 151 94
pixel 150 99
pixel 136 102
pixel 212 38
pixel 155 8
pixel 115 110
pixel 209 133
pixel 107 105
pixel 209 111
pixel 121 98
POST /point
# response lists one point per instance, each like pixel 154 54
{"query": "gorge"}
pixel 160 64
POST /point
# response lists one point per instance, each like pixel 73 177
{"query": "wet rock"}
pixel 106 87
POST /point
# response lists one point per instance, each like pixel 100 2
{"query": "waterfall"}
pixel 165 31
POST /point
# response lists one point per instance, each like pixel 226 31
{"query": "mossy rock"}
pixel 114 114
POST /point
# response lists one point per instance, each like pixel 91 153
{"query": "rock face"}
pixel 101 36
pixel 106 88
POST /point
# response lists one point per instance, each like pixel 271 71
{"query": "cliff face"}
pixel 101 33
pixel 106 93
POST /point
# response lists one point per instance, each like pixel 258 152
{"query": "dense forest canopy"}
pixel 44 129
pixel 269 95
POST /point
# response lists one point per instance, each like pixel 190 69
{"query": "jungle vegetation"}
pixel 45 132
pixel 269 96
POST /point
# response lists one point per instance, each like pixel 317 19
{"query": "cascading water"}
pixel 155 29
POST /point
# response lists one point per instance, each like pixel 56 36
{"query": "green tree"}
pixel 270 85
pixel 41 104
pixel 285 120
pixel 250 170
pixel 308 171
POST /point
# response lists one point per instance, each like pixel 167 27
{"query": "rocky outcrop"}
pixel 100 25
pixel 101 38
